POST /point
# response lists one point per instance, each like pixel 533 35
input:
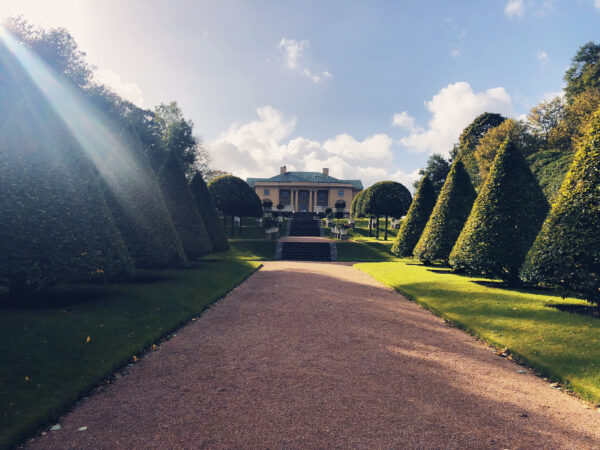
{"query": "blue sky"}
pixel 368 89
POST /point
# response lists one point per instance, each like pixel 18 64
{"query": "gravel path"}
pixel 310 355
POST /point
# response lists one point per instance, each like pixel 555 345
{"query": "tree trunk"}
pixel 370 225
pixel 386 225
pixel 241 218
pixel 377 225
pixel 232 226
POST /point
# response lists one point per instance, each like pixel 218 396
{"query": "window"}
pixel 267 192
pixel 284 197
pixel 340 193
pixel 322 198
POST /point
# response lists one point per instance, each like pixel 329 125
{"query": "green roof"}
pixel 309 177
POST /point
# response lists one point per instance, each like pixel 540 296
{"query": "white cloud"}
pixel 293 51
pixel 514 8
pixel 455 53
pixel 405 121
pixel 258 148
pixel 452 109
pixel 542 56
pixel 128 90
pixel 597 4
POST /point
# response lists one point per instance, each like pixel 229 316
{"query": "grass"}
pixel 366 251
pixel 559 345
pixel 250 250
pixel 360 232
pixel 250 229
pixel 46 362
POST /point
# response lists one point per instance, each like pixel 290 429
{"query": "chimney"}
pixel 325 171
pixel 282 170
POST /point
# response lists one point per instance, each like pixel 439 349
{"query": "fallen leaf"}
pixel 56 427
pixel 87 340
pixel 135 358
pixel 81 428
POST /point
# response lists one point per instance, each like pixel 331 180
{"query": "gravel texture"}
pixel 320 355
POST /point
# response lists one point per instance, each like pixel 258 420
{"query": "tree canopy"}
pixel 234 197
pixel 584 72
pixel 386 198
pixel 437 168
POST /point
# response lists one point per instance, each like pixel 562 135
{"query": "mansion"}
pixel 306 191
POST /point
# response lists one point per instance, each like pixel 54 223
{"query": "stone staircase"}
pixel 304 225
pixel 307 251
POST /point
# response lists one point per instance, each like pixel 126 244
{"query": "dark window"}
pixel 284 197
pixel 322 198
pixel 267 192
pixel 340 193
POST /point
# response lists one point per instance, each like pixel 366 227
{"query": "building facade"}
pixel 306 191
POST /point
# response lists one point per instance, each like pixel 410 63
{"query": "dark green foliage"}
pixel 234 197
pixel 182 208
pixel 139 210
pixel 504 220
pixel 386 198
pixel 567 250
pixel 208 211
pixel 469 139
pixel 54 223
pixel 416 219
pixel 550 167
pixel 584 72
pixel 437 168
pixel 356 206
pixel 448 217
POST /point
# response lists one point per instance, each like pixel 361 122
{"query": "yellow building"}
pixel 306 191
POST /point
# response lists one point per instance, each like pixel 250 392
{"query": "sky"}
pixel 369 89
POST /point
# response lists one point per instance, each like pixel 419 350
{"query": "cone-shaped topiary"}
pixel 504 220
pixel 208 211
pixel 182 208
pixel 55 225
pixel 448 217
pixel 416 218
pixel 567 249
pixel 356 206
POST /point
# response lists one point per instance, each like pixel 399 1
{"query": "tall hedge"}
pixel 504 221
pixel 138 206
pixel 208 211
pixel 416 218
pixel 182 208
pixel 54 222
pixel 567 250
pixel 448 217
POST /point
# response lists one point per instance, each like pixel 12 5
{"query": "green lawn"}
pixel 366 251
pixel 360 232
pixel 46 363
pixel 560 345
pixel 250 250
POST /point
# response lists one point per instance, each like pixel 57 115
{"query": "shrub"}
pixel 416 218
pixel 448 217
pixel 504 220
pixel 137 204
pixel 182 208
pixel 54 222
pixel 567 249
pixel 208 211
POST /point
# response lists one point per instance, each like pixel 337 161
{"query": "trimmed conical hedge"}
pixel 448 217
pixel 139 209
pixel 567 250
pixel 54 222
pixel 208 211
pixel 504 220
pixel 416 218
pixel 182 207
pixel 356 206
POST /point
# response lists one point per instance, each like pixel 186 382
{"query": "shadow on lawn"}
pixel 57 297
